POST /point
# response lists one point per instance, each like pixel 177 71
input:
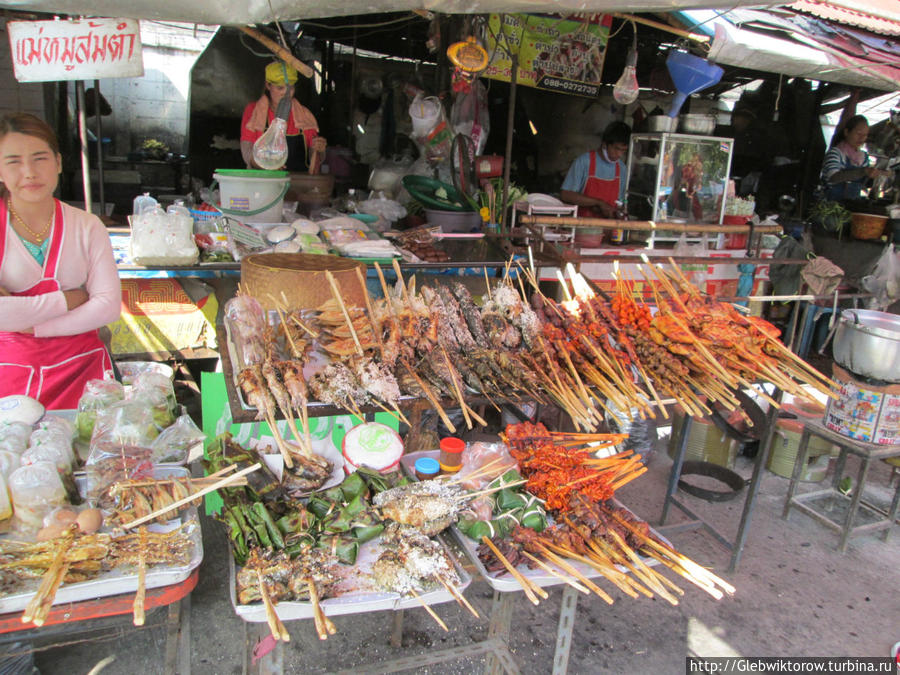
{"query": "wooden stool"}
pixel 866 452
pixel 894 462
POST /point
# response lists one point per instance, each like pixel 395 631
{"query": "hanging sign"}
pixel 89 49
pixel 555 53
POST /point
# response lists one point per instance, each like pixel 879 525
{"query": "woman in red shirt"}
pixel 302 131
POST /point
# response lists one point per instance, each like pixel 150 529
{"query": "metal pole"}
pixel 99 145
pixel 510 123
pixel 82 134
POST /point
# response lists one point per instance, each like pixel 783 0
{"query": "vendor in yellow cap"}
pixel 302 130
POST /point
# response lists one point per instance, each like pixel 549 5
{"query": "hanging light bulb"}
pixel 626 89
pixel 270 150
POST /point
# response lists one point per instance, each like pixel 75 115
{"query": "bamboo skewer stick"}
pixel 487 491
pixel 279 439
pixel 276 627
pixel 137 606
pixel 337 296
pixel 431 398
pixel 313 334
pixel 702 584
pixel 428 609
pixel 640 564
pixel 386 291
pixel 487 285
pixel 603 563
pixel 562 564
pixel 223 482
pixel 373 321
pixel 562 577
pixel 50 580
pixel 528 587
pixel 457 595
pixel 403 289
pixel 318 615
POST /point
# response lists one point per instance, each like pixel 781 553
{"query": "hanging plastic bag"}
pixel 175 443
pixel 430 128
pixel 884 282
pixel 695 272
pixel 470 115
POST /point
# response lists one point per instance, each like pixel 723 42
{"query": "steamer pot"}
pixel 868 343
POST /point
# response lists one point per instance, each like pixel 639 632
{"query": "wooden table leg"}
pixel 271 663
pixel 892 513
pixel 397 632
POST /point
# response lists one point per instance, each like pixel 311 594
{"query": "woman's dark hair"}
pixel 616 132
pixel 849 125
pixel 30 125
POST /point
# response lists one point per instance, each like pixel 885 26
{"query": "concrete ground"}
pixel 796 596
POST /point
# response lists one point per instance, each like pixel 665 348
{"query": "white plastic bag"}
pixel 695 272
pixel 158 238
pixel 884 282
pixel 430 128
pixel 470 115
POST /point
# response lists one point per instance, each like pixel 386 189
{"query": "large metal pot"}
pixel 696 123
pixel 868 343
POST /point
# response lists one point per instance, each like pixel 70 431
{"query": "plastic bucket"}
pixel 253 193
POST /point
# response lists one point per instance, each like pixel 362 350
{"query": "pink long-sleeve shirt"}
pixel 86 260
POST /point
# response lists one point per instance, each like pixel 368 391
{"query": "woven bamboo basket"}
pixel 866 225
pixel 300 278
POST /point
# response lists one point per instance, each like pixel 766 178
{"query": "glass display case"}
pixel 678 178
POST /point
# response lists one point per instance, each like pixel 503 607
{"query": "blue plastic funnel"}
pixel 690 74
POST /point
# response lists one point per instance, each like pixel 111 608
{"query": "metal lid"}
pixel 880 324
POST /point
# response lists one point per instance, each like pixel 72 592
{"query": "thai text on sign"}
pixel 88 49
pixel 557 54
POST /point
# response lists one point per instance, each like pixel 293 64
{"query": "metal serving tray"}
pixel 123 579
pixel 351 602
pixel 502 581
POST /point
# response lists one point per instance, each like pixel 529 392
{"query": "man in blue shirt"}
pixel 596 179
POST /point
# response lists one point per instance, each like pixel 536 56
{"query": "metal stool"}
pixel 866 452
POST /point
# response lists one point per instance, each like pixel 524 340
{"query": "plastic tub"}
pixel 374 445
pixel 253 194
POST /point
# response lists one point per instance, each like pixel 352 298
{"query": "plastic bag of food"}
pixel 470 116
pixel 478 455
pixel 158 238
pixel 35 490
pixel 381 206
pixel 9 462
pixel 174 444
pixel 884 281
pixel 125 423
pixel 246 321
pixel 695 272
pixel 14 436
pixel 58 452
pixel 98 395
pixel 58 424
pixel 156 391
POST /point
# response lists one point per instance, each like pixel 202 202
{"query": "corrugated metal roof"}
pixel 878 16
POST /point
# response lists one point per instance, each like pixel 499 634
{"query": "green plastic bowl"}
pixel 423 189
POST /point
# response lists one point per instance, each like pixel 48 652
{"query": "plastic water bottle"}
pixel 143 203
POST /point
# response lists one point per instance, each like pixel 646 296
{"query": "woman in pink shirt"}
pixel 58 277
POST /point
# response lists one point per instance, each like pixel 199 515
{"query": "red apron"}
pixel 52 370
pixel 598 188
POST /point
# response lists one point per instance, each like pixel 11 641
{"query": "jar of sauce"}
pixel 427 468
pixel 451 454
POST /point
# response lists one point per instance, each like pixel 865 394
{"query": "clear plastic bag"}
pixel 35 491
pixel 61 425
pixel 14 436
pixel 57 451
pixel 479 454
pixel 470 116
pixel 378 205
pixel 124 423
pixel 695 272
pixel 98 395
pixel 174 444
pixel 158 238
pixel 156 391
pixel 884 282
pixel 9 462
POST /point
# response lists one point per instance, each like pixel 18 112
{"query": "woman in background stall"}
pixel 58 278
pixel 846 168
pixel 305 147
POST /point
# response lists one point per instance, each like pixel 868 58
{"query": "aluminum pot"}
pixel 867 343
pixel 658 123
pixel 691 123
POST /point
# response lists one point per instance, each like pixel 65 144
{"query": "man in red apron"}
pixel 52 370
pixel 596 179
